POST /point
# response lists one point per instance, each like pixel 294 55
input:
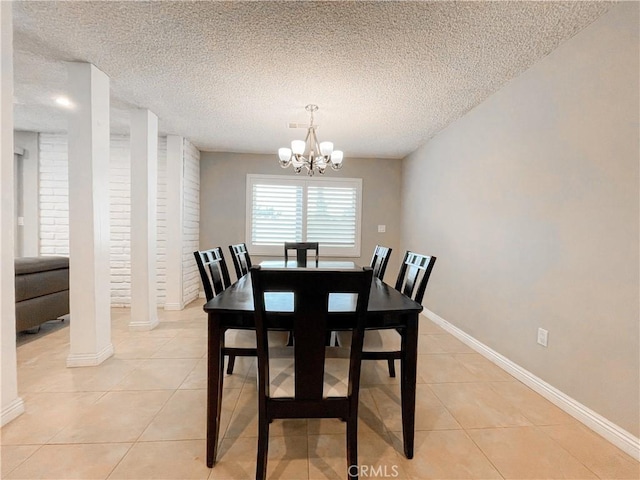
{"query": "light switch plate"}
pixel 382 228
pixel 543 337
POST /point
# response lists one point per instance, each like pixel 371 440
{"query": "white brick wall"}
pixel 161 252
pixel 120 224
pixel 191 222
pixel 54 212
pixel 54 195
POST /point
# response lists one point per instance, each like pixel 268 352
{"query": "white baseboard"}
pixel 11 411
pixel 618 436
pixel 89 359
pixel 174 306
pixel 144 326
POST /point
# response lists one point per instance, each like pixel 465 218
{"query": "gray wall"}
pixel 530 203
pixel 223 179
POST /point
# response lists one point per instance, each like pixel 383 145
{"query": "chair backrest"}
pixel 415 272
pixel 380 260
pixel 310 323
pixel 241 259
pixel 213 271
pixel 301 249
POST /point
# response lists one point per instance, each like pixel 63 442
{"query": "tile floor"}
pixel 141 415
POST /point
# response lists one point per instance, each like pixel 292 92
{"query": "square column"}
pixel 11 404
pixel 89 275
pixel 144 234
pixel 175 236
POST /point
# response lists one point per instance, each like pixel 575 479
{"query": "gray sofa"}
pixel 42 290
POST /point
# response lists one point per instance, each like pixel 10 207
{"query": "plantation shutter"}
pixel 285 209
pixel 277 214
pixel 331 215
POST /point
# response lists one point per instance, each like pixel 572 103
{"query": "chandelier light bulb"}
pixel 336 160
pixel 297 147
pixel 326 148
pixel 285 157
pixel 297 164
pixel 284 154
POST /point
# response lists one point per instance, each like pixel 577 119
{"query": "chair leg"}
pixel 232 362
pixel 352 448
pixel 263 449
pixel 392 367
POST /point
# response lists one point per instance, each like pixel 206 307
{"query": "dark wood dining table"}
pixel 233 308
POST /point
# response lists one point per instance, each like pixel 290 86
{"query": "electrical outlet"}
pixel 543 336
pixel 382 228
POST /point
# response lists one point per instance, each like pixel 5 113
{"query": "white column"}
pixel 144 235
pixel 12 404
pixel 175 236
pixel 89 275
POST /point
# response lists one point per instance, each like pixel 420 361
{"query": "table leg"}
pixel 215 363
pixel 408 374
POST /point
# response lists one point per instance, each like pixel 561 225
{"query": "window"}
pixel 284 209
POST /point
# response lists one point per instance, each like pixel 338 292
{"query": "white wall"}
pixel 191 222
pixel 54 211
pixel 161 252
pixel 120 205
pixel 30 235
pixel 54 195
pixel 530 203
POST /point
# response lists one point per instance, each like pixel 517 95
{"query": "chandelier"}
pixel 310 154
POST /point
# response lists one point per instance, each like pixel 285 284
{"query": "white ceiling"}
pixel 230 76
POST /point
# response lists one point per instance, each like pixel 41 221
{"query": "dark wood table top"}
pixel 383 299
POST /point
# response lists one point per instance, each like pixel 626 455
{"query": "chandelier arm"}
pixel 306 141
pixel 313 142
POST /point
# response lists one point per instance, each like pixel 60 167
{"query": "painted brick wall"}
pixel 54 195
pixel 161 252
pixel 54 212
pixel 120 209
pixel 191 222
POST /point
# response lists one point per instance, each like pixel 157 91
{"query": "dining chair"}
pixel 215 279
pixel 309 379
pixel 301 249
pixel 380 260
pixel 241 259
pixel 386 344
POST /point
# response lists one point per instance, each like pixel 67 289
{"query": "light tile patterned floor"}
pixel 141 415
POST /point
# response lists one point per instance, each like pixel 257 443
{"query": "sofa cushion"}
pixel 40 264
pixel 38 276
pixel 33 312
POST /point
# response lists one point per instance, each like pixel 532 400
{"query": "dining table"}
pixel 233 308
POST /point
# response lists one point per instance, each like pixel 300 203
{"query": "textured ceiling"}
pixel 230 76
